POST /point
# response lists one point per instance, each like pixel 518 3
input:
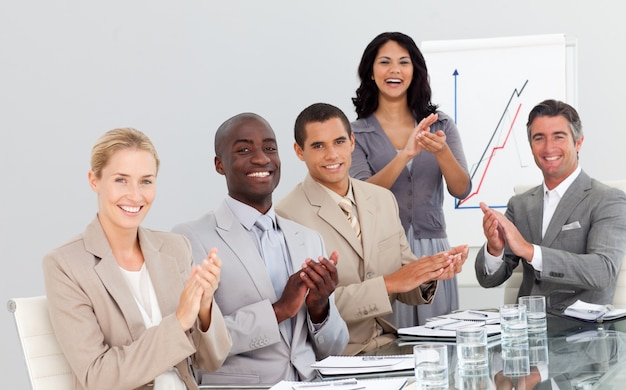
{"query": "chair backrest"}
pixel 47 367
pixel 511 286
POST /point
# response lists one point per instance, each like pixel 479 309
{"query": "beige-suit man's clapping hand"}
pixel 441 266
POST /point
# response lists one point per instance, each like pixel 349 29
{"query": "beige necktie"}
pixel 346 205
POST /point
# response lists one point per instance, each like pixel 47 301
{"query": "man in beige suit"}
pixel 377 266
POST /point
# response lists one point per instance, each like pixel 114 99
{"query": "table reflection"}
pixel 570 355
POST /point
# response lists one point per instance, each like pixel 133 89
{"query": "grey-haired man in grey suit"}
pixel 569 232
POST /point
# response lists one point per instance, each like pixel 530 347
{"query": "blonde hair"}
pixel 116 140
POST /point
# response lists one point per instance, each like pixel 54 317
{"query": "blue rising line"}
pixel 455 74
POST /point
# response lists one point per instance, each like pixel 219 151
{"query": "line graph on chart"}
pixel 489 86
pixel 505 148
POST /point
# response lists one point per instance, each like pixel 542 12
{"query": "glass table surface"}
pixel 581 355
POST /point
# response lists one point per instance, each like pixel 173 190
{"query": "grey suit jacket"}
pixel 361 297
pixel 261 352
pixel 582 249
pixel 99 326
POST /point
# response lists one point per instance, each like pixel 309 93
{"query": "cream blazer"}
pixel 99 326
pixel 361 296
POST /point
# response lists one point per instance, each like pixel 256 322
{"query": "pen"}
pixel 381 357
pixel 477 313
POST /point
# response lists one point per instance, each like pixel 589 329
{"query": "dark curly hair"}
pixel 419 92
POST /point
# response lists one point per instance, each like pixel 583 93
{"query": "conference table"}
pixel 581 355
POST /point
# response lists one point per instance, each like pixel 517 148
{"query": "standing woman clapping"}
pixel 403 143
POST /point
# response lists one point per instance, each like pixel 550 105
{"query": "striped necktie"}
pixel 346 205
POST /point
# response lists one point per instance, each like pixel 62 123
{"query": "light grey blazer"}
pixel 582 249
pixel 261 352
pixel 98 323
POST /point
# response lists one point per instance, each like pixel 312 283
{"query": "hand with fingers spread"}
pixel 321 278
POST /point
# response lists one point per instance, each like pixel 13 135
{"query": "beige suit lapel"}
pixel 330 212
pixel 367 218
pixel 161 268
pixel 109 273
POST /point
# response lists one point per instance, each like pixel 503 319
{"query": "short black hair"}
pixel 318 112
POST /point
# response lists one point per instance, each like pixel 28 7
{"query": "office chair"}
pixel 46 364
pixel 511 286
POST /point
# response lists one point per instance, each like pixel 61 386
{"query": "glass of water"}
pixel 514 338
pixel 471 348
pixel 537 328
pixel 431 366
pixel 535 312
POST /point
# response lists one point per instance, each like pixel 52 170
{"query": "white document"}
pixel 593 312
pixel 345 384
pixel 342 365
pixel 446 331
pixel 489 317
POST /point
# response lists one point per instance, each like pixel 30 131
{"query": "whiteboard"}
pixel 488 86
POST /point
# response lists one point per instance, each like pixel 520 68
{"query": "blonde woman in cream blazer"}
pixel 119 334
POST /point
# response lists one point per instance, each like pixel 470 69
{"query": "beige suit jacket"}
pixel 361 297
pixel 99 326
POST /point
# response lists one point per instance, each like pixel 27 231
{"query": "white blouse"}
pixel 142 289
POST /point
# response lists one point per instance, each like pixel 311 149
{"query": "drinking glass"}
pixel 471 347
pixel 514 337
pixel 535 312
pixel 431 366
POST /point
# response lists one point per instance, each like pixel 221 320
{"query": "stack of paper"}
pixel 489 317
pixel 592 312
pixel 345 384
pixel 444 333
pixel 350 365
pixel 443 328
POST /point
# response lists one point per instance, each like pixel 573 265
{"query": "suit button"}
pixel 369 275
pixel 320 339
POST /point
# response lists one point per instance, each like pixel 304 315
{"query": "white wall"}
pixel 70 70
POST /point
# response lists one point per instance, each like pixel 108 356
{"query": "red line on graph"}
pixel 493 152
